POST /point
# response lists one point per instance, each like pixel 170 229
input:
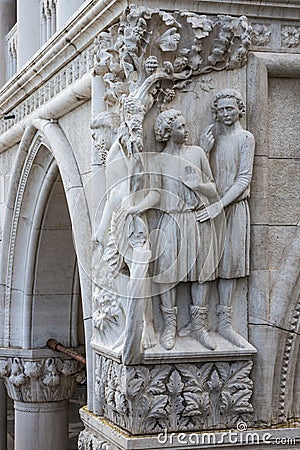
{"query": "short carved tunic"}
pixel 185 250
pixel 231 162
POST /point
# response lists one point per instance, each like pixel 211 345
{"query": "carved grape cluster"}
pixel 151 64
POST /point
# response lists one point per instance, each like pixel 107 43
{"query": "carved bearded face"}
pixel 227 111
pixel 179 133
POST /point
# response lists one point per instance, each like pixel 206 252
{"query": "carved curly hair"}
pixel 229 93
pixel 164 124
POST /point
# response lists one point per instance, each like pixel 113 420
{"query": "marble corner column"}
pixel 3 417
pixel 41 425
pixel 41 389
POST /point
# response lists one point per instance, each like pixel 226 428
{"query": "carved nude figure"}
pixel 121 238
pixel 231 153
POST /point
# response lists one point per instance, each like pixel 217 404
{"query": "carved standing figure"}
pixel 189 253
pixel 231 153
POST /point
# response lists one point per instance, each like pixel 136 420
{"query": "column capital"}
pixel 48 379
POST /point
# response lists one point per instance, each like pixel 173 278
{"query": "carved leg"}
pixel 224 327
pixel 200 294
pixel 149 336
pixel 200 326
pixel 168 336
pixel 226 290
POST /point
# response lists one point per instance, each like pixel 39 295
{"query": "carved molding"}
pixel 43 380
pixel 15 221
pixel 265 35
pixel 177 397
pixel 290 344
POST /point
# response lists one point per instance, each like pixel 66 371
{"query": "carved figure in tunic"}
pixel 184 251
pixel 231 153
pixel 191 253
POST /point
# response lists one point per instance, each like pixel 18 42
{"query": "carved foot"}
pixel 224 327
pixel 149 338
pixel 168 336
pixel 199 327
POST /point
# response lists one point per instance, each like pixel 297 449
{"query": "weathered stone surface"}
pixel 284 140
pixel 283 191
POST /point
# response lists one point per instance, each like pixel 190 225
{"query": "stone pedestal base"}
pixel 41 425
pixel 99 433
pixel 148 399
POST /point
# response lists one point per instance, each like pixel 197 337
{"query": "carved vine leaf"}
pixel 213 44
pixel 201 25
pixel 168 41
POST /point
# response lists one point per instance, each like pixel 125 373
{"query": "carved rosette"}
pixel 261 35
pixel 196 396
pixel 44 380
pixel 88 441
pixel 290 37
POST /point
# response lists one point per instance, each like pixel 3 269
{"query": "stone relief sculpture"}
pixel 231 153
pixel 166 223
pixel 145 60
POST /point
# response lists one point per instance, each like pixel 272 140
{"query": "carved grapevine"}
pixel 150 54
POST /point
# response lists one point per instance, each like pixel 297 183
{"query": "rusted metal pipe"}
pixel 54 345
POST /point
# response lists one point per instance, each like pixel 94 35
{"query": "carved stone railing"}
pixel 12 46
pixel 79 66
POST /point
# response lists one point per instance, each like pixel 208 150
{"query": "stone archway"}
pixel 40 289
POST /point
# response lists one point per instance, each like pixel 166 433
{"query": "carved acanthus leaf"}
pixel 50 379
pixel 182 397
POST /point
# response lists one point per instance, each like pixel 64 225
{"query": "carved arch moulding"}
pixel 43 146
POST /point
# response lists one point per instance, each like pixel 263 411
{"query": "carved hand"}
pixel 192 180
pixel 207 139
pixel 210 212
